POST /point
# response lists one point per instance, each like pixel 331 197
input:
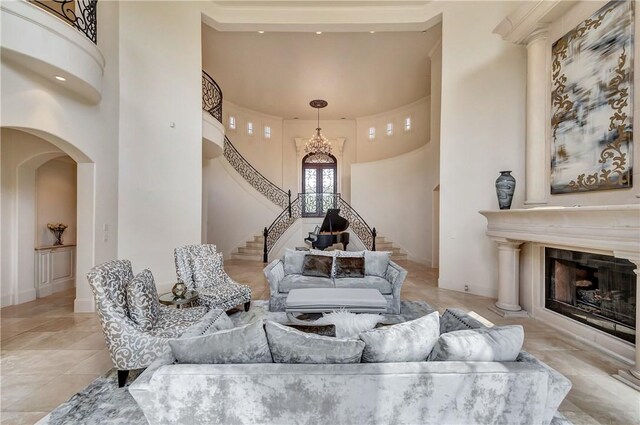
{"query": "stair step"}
pixel 258 239
pixel 254 245
pixel 249 251
pixel 383 246
pixel 400 256
pixel 246 257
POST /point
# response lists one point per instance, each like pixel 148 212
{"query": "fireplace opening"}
pixel 597 290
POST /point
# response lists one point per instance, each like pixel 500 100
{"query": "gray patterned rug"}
pixel 102 402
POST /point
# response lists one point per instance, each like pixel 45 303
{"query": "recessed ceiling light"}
pixel 260 32
pixel 59 78
pixel 318 32
pixel 295 118
pixel 372 32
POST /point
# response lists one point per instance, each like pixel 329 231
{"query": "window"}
pixel 232 123
pixel 407 124
pixel 267 132
pixel 250 128
pixel 372 133
pixel 319 184
pixel 389 128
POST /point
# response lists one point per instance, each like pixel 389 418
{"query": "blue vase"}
pixel 505 186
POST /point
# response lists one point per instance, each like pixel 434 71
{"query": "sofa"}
pixel 525 391
pixel 285 274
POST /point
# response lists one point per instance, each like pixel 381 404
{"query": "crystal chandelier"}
pixel 318 145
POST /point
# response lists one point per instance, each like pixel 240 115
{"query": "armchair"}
pixel 200 267
pixel 130 346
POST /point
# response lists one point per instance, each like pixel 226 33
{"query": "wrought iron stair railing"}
pixel 308 202
pixel 81 14
pixel 211 96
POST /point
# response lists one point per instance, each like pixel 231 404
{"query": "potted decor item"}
pixel 57 229
pixel 505 186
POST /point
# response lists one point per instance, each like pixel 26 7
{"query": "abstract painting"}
pixel 592 103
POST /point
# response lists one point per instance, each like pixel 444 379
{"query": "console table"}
pixel 55 268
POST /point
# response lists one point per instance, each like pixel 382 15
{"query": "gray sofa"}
pixel 522 392
pixel 281 281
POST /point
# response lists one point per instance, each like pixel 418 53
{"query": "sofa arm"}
pixel 274 272
pixel 395 275
pixel 558 388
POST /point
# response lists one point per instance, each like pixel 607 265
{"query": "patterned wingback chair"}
pixel 130 346
pixel 216 289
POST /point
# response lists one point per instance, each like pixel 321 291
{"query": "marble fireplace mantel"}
pixel 608 229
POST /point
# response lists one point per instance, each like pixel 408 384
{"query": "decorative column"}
pixel 631 376
pixel 508 304
pixel 536 184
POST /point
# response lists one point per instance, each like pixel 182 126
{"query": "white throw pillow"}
pixel 293 261
pixel 497 344
pixel 405 342
pixel 376 263
pixel 142 300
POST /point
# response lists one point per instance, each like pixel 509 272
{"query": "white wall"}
pixel 558 28
pixel 400 141
pixel 88 133
pixel 482 132
pixel 56 200
pixel 160 149
pixel 436 97
pixel 394 196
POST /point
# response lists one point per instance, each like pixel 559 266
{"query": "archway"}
pixel 18 246
pixel 319 184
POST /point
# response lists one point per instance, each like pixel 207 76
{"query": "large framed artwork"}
pixel 592 103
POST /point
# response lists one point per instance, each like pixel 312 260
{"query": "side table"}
pixel 186 301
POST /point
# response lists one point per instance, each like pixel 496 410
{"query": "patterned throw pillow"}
pixel 405 342
pixel 317 265
pixel 142 300
pixel 349 267
pixel 208 270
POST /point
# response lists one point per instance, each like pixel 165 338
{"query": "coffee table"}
pixel 179 302
pixel 320 300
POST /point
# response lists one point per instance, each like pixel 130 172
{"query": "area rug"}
pixel 102 402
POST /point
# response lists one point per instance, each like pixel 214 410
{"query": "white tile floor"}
pixel 48 353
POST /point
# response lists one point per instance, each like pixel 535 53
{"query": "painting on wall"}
pixel 592 103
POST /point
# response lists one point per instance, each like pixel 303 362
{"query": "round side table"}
pixel 186 301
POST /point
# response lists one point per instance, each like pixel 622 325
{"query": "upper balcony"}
pixel 55 39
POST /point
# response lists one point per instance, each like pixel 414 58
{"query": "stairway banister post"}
pixel 265 255
pixel 373 237
pixel 289 194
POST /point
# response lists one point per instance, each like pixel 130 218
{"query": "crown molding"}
pixel 528 20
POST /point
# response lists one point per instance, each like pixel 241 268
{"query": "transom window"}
pixel 407 124
pixel 389 128
pixel 372 133
pixel 319 184
pixel 267 132
pixel 232 123
pixel 250 128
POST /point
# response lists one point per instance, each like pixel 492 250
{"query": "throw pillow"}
pixel 290 345
pixel 349 267
pixel 376 263
pixel 244 344
pixel 208 270
pixel 293 261
pixel 142 300
pixel 317 265
pixel 215 320
pixel 405 342
pixel 332 254
pixel 497 344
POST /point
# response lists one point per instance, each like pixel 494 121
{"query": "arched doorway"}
pixel 319 184
pixel 18 207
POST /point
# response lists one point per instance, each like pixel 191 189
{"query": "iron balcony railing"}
pixel 81 14
pixel 211 96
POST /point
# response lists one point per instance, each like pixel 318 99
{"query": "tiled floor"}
pixel 48 353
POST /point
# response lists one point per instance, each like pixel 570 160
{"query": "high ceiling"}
pixel 358 73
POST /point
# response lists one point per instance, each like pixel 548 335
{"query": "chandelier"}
pixel 318 145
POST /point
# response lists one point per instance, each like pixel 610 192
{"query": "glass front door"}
pixel 319 185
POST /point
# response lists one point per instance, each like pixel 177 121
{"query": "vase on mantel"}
pixel 505 187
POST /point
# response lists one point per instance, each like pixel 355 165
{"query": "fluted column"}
pixel 631 376
pixel 537 91
pixel 508 303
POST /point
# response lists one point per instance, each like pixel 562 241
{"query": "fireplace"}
pixel 597 290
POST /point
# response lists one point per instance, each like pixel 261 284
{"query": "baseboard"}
pixel 25 296
pixel 5 300
pixel 84 305
pixel 63 285
pixel 474 290
pixel 422 261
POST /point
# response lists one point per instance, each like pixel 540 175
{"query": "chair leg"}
pixel 247 305
pixel 122 377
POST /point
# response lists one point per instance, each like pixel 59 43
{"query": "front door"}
pixel 319 185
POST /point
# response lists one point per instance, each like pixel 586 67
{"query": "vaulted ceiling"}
pixel 358 73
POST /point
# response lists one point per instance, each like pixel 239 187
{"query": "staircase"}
pixel 253 249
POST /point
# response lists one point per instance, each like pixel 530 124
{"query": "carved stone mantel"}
pixel 608 229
